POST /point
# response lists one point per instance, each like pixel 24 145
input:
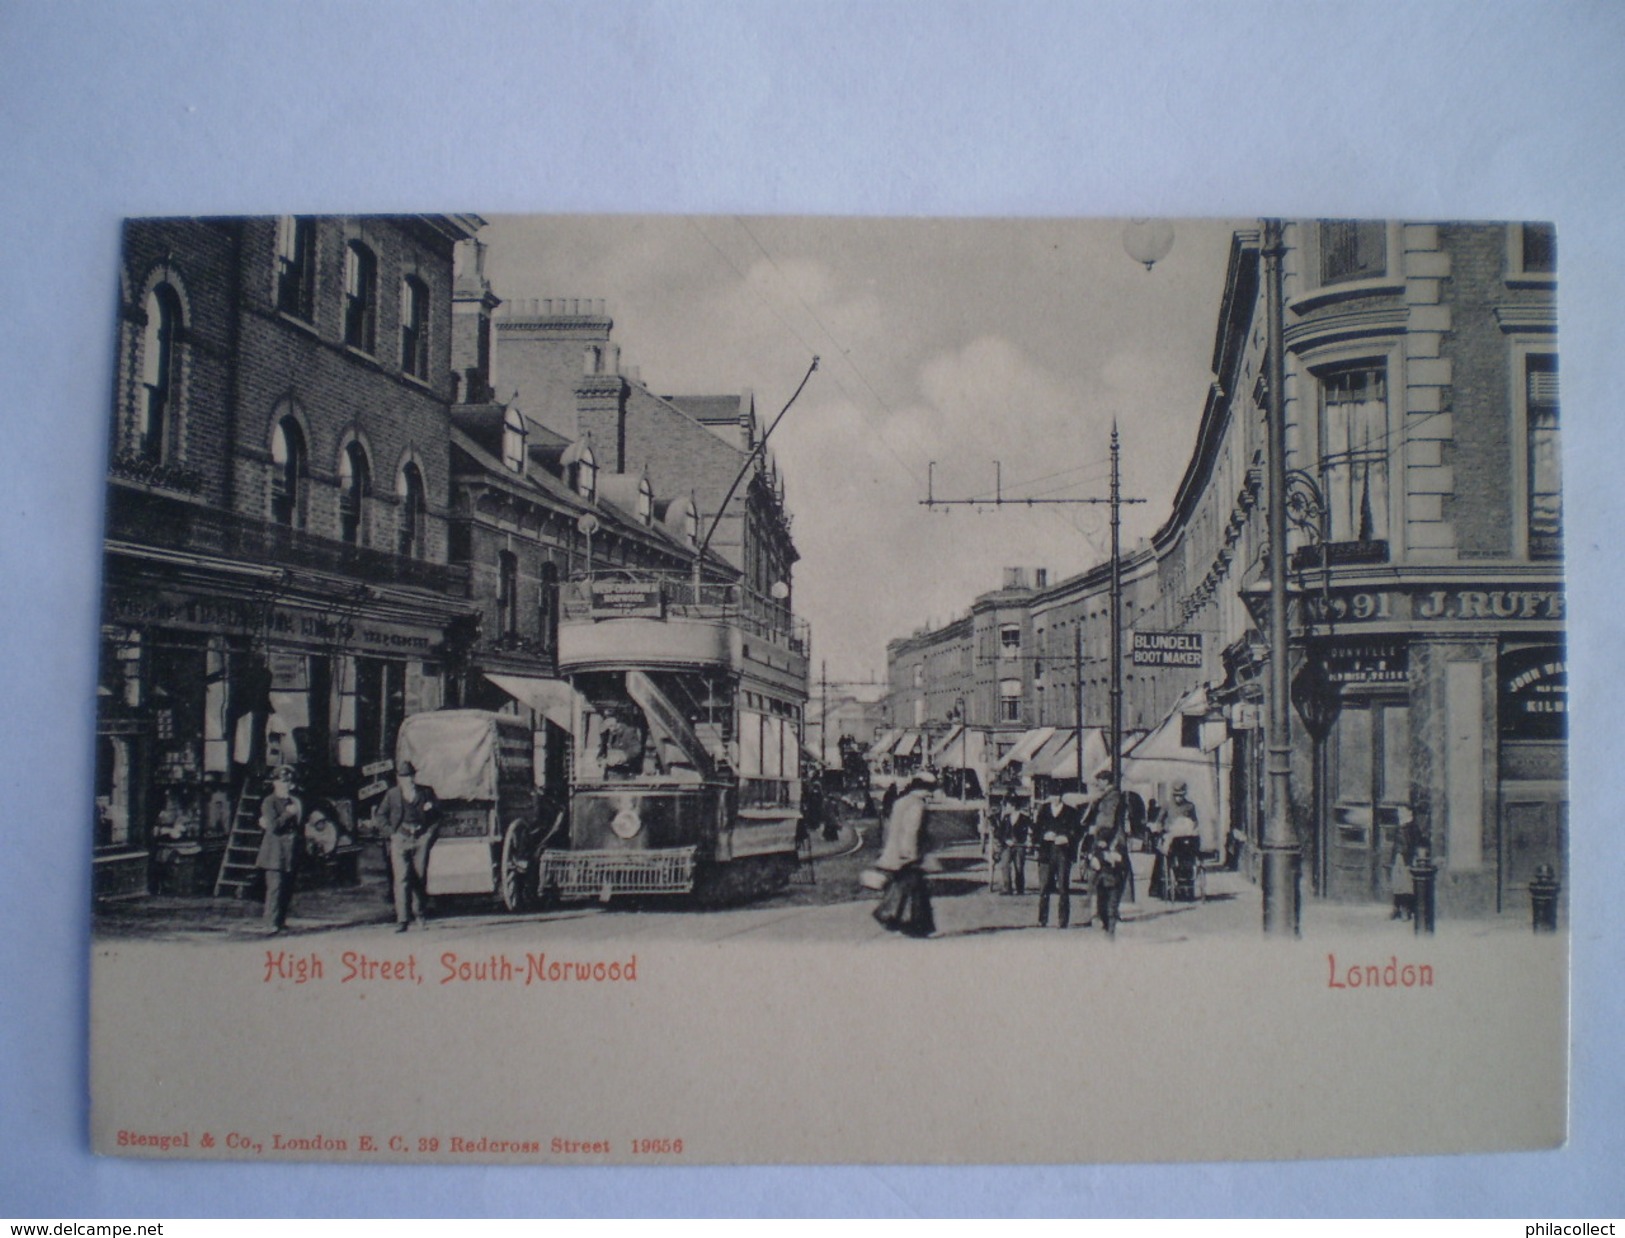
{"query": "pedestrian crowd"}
pixel 1073 839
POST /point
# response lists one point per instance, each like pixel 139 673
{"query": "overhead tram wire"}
pixel 853 400
pixel 840 349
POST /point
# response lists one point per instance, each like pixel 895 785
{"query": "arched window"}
pixel 289 468
pixel 355 489
pixel 646 501
pixel 415 327
pixel 414 513
pixel 507 592
pixel 159 372
pixel 360 297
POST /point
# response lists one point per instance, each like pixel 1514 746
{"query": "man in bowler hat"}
pixel 410 815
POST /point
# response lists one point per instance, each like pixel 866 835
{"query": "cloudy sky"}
pixel 963 342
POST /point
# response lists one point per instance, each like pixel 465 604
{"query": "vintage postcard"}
pixel 641 690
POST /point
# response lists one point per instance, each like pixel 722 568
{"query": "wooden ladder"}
pixel 237 870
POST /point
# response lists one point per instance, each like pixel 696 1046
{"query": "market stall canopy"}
pixel 1161 758
pixel 552 698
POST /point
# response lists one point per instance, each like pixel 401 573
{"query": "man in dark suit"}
pixel 282 817
pixel 1058 832
pixel 410 816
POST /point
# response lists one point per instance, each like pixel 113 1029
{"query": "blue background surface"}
pixel 1445 110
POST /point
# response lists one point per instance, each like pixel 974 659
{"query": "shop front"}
pixel 1434 719
pixel 208 681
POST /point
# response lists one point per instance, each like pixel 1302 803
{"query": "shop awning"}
pixel 1027 745
pixel 552 698
pixel 962 748
pixel 1063 767
pixel 882 745
pixel 907 744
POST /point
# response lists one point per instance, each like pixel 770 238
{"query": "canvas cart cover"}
pixel 455 751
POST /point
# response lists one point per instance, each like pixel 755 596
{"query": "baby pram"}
pixel 1186 873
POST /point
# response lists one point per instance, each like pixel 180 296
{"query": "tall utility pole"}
pixel 1283 860
pixel 1077 679
pixel 823 711
pixel 1117 634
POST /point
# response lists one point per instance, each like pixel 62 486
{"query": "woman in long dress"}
pixel 905 901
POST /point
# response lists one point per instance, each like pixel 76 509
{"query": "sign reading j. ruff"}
pixel 625 598
pixel 1167 649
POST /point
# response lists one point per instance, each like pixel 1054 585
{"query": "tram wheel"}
pixel 518 871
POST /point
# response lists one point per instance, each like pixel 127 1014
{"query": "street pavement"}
pixel 826 903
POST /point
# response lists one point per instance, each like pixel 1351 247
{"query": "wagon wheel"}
pixel 518 873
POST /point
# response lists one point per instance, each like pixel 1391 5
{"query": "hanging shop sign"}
pixel 1367 662
pixel 1167 649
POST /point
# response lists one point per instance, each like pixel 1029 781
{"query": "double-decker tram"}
pixel 685 771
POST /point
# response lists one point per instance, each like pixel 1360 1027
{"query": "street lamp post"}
pixel 1282 875
pixel 1283 859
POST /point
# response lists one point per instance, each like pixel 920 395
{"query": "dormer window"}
pixel 513 440
pixel 646 501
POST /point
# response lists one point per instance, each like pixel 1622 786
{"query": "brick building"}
pixel 691 457
pixel 276 579
pixel 1425 543
pixel 533 509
